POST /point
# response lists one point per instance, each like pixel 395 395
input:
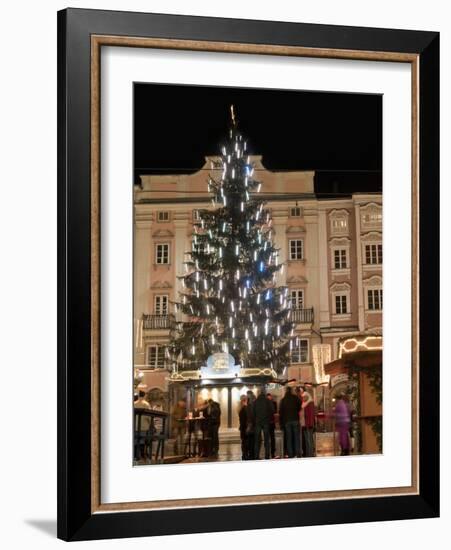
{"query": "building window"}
pixel 163 216
pixel 162 253
pixel 155 357
pixel 198 247
pixel 299 353
pixel 340 259
pixel 196 215
pixel 339 225
pixel 296 249
pixel 297 299
pixel 375 299
pixel 341 304
pixel 373 253
pixel 295 212
pixel 372 218
pixel 161 304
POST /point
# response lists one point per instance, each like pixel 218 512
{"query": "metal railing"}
pixel 158 321
pixel 302 315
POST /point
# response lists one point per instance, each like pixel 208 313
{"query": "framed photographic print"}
pixel 248 274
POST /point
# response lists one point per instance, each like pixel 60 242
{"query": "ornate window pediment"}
pixel 161 285
pixel 340 241
pixel 340 287
pixel 375 280
pixel 297 280
pixel 162 233
pixel 372 236
pixel 295 229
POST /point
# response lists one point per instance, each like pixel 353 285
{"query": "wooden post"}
pixel 229 407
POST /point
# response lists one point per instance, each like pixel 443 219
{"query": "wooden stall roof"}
pixel 370 358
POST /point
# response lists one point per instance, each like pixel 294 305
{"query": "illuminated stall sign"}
pixel 220 365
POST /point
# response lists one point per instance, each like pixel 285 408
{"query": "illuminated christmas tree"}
pixel 230 290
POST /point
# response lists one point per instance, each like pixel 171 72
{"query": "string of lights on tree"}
pixel 230 292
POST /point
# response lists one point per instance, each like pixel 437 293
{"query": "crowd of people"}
pixel 196 432
pixel 260 416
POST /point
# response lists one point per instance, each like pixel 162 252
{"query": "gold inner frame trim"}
pixel 97 41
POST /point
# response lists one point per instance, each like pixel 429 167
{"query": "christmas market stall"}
pixel 357 373
pixel 223 381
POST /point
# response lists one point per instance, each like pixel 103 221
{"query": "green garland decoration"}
pixel 374 375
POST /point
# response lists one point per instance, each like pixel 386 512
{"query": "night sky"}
pixel 338 135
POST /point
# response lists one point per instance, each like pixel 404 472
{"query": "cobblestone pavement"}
pixel 230 451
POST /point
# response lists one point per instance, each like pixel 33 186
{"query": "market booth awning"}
pixel 362 359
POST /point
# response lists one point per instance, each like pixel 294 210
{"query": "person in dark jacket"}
pixel 242 415
pixel 214 421
pixel 263 412
pixel 290 406
pixel 272 425
pixel 250 430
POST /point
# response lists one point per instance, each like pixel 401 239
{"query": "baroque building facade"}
pixel 331 249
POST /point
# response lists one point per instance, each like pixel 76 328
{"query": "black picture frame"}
pixel 76 520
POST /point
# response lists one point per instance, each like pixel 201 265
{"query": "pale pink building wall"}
pixel 180 195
